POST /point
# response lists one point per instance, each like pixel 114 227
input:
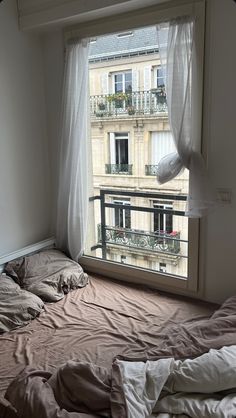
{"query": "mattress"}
pixel 95 324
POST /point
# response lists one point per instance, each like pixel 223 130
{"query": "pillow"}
pixel 17 306
pixel 226 309
pixel 48 274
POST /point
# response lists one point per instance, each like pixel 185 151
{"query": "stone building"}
pixel 130 133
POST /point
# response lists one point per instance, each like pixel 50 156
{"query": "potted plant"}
pixel 130 110
pixel 118 99
pixel 101 106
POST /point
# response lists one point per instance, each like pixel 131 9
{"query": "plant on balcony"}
pixel 130 110
pixel 117 98
pixel 101 106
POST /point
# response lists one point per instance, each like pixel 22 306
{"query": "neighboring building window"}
pixel 119 154
pixel 162 267
pixel 123 82
pixel 119 148
pixel 160 77
pixel 161 144
pixel 122 217
pixel 123 259
pixel 163 222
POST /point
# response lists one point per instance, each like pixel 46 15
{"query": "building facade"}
pixel 130 133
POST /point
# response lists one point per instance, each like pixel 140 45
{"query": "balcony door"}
pixel 122 217
pixel 163 222
pixel 119 152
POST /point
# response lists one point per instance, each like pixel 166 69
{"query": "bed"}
pixel 108 320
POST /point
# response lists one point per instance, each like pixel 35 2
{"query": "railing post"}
pixel 103 225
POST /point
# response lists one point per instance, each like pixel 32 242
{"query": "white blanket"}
pixel 203 387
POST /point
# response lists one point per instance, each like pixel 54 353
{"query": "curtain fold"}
pixel 72 204
pixel 177 52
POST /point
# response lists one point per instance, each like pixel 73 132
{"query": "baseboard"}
pixel 49 242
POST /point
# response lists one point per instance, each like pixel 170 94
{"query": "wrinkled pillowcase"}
pixel 49 274
pixel 17 306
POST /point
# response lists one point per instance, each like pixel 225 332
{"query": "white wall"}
pixel 218 267
pixel 220 136
pixel 25 214
pixel 53 52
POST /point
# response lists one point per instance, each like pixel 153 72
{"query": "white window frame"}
pixel 163 205
pixel 112 145
pixel 123 72
pixel 120 201
pixel 140 18
pixel 155 72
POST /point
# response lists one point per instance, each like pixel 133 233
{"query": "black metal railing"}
pixel 152 242
pixel 138 103
pixel 119 169
pixel 136 239
pixel 151 170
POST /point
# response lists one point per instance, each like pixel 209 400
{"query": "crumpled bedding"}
pixel 17 307
pixel 165 388
pixel 201 387
pixel 49 274
pixel 103 321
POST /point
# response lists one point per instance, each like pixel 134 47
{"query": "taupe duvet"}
pixel 108 320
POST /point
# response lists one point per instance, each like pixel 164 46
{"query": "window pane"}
pixel 129 136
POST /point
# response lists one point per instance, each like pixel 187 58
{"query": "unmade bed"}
pixel 109 319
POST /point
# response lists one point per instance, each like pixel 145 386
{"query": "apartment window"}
pixel 161 144
pixel 122 217
pixel 160 76
pixel 123 82
pixel 163 222
pixel 162 267
pixel 119 154
pixel 117 141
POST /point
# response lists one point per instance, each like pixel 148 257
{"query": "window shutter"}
pixel 147 78
pixel 105 83
pixel 135 80
pixel 112 148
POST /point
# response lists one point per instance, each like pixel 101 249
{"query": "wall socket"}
pixel 224 195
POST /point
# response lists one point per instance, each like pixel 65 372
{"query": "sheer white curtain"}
pixel 176 41
pixel 72 205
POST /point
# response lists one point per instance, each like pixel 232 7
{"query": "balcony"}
pixel 142 240
pixel 119 169
pixel 128 105
pixel 151 170
pixel 170 244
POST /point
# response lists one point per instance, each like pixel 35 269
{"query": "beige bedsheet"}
pixel 95 324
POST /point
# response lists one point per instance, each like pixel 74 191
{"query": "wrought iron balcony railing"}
pixel 151 170
pixel 138 103
pixel 136 239
pixel 118 169
pixel 152 242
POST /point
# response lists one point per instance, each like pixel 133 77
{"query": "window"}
pixel 122 216
pixel 119 139
pixel 162 267
pixel 119 154
pixel 123 82
pixel 125 34
pixel 161 144
pixel 160 77
pixel 163 222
